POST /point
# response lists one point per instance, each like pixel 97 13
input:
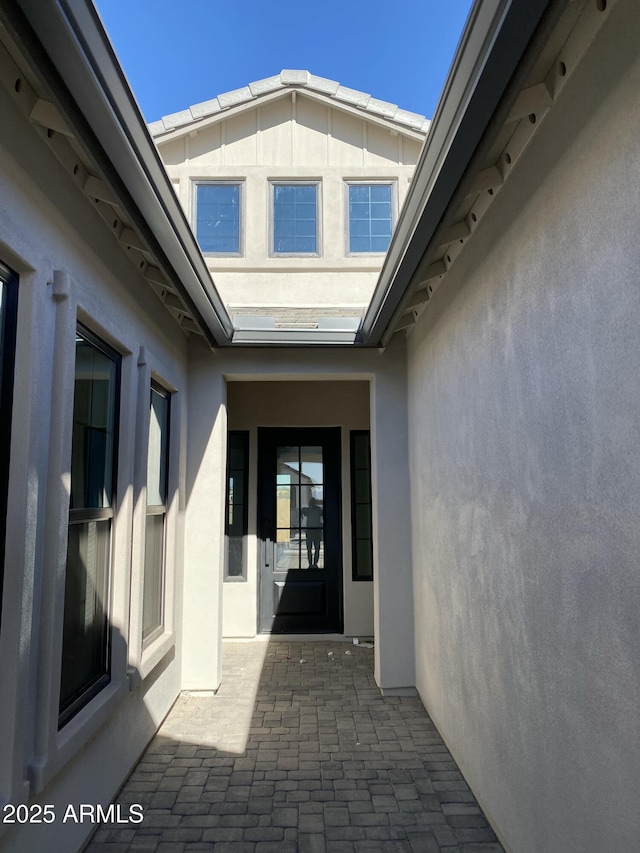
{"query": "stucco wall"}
pixel 524 414
pixel 286 140
pixel 46 224
pixel 386 378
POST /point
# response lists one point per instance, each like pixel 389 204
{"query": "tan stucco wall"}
pixel 525 478
pixel 282 140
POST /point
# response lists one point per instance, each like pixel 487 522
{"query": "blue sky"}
pixel 179 52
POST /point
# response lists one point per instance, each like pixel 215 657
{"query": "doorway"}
pixel 299 523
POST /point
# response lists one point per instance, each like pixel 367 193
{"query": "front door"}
pixel 299 524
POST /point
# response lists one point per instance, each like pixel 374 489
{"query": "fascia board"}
pixel 89 84
pixel 493 43
pixel 362 114
pixel 206 122
pixel 301 91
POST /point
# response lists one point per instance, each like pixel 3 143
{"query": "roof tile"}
pixel 323 84
pixel 291 77
pixel 206 108
pixel 235 97
pixel 352 96
pixel 268 84
pixel 177 119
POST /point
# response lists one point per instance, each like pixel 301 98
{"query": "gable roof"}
pixel 290 80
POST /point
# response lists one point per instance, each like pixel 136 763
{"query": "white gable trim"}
pixel 203 115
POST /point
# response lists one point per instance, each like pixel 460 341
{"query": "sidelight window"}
pixel 237 510
pixel 361 515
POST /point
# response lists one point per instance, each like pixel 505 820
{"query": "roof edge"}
pixel 494 41
pixel 290 79
pixel 96 100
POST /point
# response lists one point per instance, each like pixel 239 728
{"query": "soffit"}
pixel 150 237
pixel 564 39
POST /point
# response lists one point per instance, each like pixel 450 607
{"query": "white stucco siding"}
pixel 344 376
pixel 47 225
pixel 523 423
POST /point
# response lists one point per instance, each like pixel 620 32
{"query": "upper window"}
pixel 370 217
pixel 218 217
pixel 155 532
pixel 85 645
pixel 295 218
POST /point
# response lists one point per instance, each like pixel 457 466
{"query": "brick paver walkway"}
pixel 298 751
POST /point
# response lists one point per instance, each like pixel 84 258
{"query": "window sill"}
pixel 76 734
pixel 152 655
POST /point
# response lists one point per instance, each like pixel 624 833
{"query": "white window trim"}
pixel 54 747
pixel 144 656
pixel 354 182
pixel 236 182
pixel 301 182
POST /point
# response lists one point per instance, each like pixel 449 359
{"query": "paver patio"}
pixel 298 751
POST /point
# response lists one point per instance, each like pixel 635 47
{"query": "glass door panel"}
pixel 300 506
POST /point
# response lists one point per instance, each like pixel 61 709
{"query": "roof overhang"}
pixel 290 84
pixel 67 46
pixel 502 40
pixel 481 86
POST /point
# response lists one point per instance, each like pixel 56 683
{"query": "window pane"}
pixel 361 510
pixel 235 562
pixel 363 559
pixel 218 217
pixel 362 486
pixel 363 521
pixel 370 223
pixel 314 548
pixel 237 507
pixel 152 596
pixel 288 544
pixel 287 506
pixel 311 464
pixel 85 632
pixel 381 193
pixel 294 219
pixel 361 450
pixel 157 457
pixel 93 427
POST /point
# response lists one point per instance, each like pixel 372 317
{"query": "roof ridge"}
pixel 291 78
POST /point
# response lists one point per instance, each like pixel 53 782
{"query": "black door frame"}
pixel 332 620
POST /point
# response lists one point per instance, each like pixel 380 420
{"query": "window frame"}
pixel 350 182
pixel 8 336
pixel 155 510
pixel 354 434
pixel 244 436
pixel 83 515
pixel 285 182
pixel 235 182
